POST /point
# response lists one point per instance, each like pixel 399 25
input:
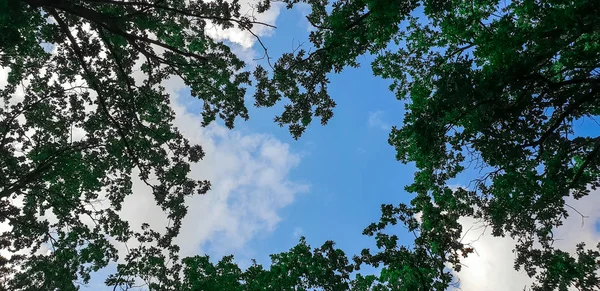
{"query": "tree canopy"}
pixel 489 85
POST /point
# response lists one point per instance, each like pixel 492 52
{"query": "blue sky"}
pixel 348 163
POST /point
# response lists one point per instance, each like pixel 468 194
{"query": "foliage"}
pixel 324 268
pixel 501 84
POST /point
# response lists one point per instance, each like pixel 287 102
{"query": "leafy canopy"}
pixel 489 85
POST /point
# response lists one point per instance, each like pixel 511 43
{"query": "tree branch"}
pixel 178 11
pixel 105 22
pixel 41 168
pixel 568 111
pixel 588 160
pixel 102 102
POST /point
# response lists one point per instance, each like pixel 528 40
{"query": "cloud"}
pixel 4 77
pixel 241 41
pixel 249 174
pixel 491 267
pixel 250 181
pixel 241 37
pixel 376 120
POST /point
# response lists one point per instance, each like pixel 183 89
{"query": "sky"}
pixel 269 189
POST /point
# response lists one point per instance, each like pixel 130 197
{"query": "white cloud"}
pixel 491 268
pixel 242 41
pixel 244 38
pixel 249 174
pixel 250 181
pixel 4 77
pixel 376 120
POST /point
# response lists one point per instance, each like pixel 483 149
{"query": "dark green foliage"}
pixel 504 86
pixel 324 268
pixel 488 85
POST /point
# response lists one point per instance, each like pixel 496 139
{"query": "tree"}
pixel 503 84
pixel 324 268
